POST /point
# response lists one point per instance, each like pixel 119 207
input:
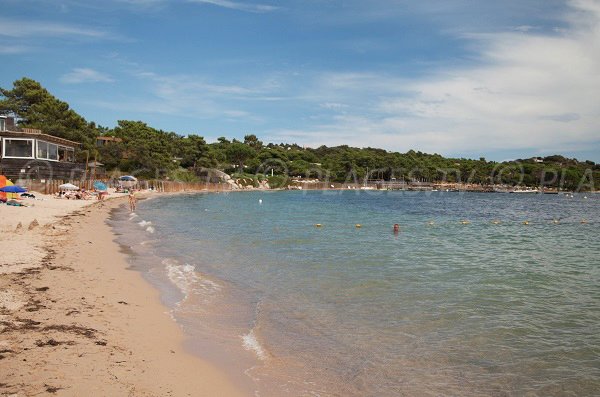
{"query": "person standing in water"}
pixel 132 200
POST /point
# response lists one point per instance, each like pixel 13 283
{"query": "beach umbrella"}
pixel 12 189
pixel 128 178
pixel 7 182
pixel 4 182
pixel 68 186
pixel 99 186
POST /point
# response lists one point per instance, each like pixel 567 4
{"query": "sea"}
pixel 312 293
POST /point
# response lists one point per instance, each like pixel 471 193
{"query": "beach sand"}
pixel 74 321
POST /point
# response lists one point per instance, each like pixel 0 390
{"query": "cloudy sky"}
pixel 500 79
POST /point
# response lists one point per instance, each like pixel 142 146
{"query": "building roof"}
pixel 37 134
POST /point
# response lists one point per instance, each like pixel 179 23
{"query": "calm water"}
pixel 442 308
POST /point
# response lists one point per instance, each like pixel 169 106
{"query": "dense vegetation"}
pixel 152 153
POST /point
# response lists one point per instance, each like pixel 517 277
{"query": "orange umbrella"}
pixel 2 184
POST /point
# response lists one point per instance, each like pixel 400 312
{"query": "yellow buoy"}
pixel 318 225
pixel 430 223
pixel 465 222
pixel 496 222
pixel 583 221
pixel 526 222
pixel 358 225
pixel 555 221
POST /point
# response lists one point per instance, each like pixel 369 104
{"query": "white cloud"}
pixel 524 28
pixel 334 106
pixel 235 5
pixel 85 75
pixel 529 91
pixel 185 96
pixel 30 28
pixel 142 2
pixel 13 49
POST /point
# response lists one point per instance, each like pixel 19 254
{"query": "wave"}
pixel 188 281
pixel 150 229
pixel 144 223
pixel 252 344
pixel 250 341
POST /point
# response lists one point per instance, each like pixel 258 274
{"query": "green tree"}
pixel 238 153
pixel 149 152
pixel 252 141
pixel 35 107
pixel 191 149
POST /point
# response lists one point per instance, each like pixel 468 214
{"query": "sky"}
pixel 496 79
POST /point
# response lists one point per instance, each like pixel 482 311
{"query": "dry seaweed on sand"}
pixel 73 329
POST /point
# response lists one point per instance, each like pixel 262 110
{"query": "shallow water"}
pixel 442 308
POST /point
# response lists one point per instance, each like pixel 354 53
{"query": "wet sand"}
pixel 75 321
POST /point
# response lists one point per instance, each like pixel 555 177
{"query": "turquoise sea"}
pixel 443 308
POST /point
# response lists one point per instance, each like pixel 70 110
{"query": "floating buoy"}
pixel 431 223
pixel 526 222
pixel 358 225
pixel 259 201
pixel 555 221
pixel 318 225
pixel 496 222
pixel 583 221
pixel 465 222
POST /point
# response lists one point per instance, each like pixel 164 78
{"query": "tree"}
pixel 37 108
pixel 150 152
pixel 252 141
pixel 238 153
pixel 191 149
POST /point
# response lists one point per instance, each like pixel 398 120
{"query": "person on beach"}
pixel 132 200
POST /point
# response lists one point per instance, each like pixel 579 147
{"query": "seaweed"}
pixel 74 329
pixel 53 342
pixel 52 389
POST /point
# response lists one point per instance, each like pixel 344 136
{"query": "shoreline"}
pixel 75 320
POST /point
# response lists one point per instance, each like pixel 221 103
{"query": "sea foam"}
pixel 183 276
pixel 251 343
pixel 188 281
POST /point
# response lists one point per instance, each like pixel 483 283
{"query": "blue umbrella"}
pixel 12 189
pixel 99 186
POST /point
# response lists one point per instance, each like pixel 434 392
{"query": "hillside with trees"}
pixel 151 153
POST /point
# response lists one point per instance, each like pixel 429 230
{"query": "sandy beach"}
pixel 75 321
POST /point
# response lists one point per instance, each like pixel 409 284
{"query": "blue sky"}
pixel 464 78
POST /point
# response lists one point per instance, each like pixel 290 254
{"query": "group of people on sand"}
pixel 74 194
pixel 81 194
pixel 86 195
